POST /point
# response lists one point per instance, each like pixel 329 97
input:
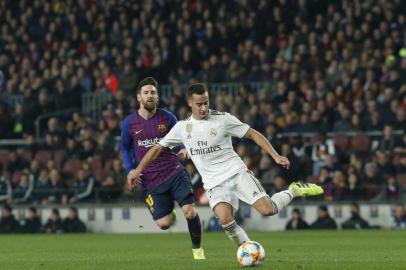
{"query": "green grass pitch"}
pixel 284 250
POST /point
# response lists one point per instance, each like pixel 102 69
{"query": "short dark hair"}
pixel 55 211
pixel 323 207
pixel 8 208
pixel 297 211
pixel 356 205
pixel 33 209
pixel 74 209
pixel 147 81
pixel 197 88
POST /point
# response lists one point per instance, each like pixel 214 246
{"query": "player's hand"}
pixel 183 154
pixel 133 178
pixel 283 161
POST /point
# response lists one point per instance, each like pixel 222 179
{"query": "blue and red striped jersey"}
pixel 138 135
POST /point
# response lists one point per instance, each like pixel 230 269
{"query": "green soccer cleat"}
pixel 174 216
pixel 198 254
pixel 305 189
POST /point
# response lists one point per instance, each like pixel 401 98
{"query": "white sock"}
pixel 282 199
pixel 235 232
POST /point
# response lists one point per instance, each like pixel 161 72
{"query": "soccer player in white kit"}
pixel 206 136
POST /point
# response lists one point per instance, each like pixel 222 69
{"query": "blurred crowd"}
pixel 330 66
pixel 324 220
pixel 32 223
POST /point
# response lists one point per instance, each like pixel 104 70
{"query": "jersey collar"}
pixel 197 120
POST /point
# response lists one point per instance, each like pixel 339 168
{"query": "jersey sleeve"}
pixel 234 127
pixel 173 138
pixel 172 119
pixel 126 146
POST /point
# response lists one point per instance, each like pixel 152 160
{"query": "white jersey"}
pixel 209 145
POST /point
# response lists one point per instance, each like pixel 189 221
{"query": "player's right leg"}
pixel 223 202
pixel 224 212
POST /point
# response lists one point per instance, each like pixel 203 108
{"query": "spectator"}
pixel 294 171
pixel 390 192
pixel 35 169
pixel 278 185
pixel 109 189
pixel 16 163
pixel 128 80
pixel 355 221
pixel 320 151
pixel 337 190
pixel 32 224
pixel 324 221
pixel 267 171
pixel 83 187
pixel 399 218
pixel 372 175
pixel 118 172
pixel 57 192
pixel 296 222
pixel 8 223
pixel 54 223
pixel 387 143
pixel 71 150
pixel 41 184
pixel 354 190
pixel 88 150
pixel 5 190
pixel 22 193
pixel 72 224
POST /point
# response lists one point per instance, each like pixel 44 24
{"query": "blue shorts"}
pixel 160 201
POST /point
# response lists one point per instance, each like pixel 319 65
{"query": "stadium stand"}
pixel 295 70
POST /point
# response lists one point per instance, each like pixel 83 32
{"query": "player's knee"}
pixel 225 219
pixel 190 213
pixel 164 224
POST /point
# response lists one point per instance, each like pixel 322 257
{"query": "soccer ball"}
pixel 250 253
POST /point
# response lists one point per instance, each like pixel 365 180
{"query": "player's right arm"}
pixel 134 177
pixel 126 147
pixel 171 140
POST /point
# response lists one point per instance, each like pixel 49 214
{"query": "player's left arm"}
pixel 262 142
pixel 234 127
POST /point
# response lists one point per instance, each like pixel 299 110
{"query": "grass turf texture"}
pixel 284 250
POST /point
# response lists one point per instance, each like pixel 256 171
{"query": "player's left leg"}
pixel 195 230
pixel 181 190
pixel 251 191
pixel 160 204
pixel 165 222
pixel 272 206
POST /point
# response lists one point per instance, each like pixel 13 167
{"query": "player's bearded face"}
pixel 199 105
pixel 148 97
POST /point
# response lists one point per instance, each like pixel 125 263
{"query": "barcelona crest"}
pixel 162 128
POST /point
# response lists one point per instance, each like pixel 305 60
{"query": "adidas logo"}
pixel 254 193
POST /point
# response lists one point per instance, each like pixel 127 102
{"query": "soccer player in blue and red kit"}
pixel 165 180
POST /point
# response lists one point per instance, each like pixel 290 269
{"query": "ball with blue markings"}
pixel 250 253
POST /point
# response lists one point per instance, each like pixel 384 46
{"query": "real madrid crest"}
pixel 189 128
pixel 213 132
pixel 162 128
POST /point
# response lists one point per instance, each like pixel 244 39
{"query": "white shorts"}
pixel 243 186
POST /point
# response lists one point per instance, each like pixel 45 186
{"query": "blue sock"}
pixel 195 230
